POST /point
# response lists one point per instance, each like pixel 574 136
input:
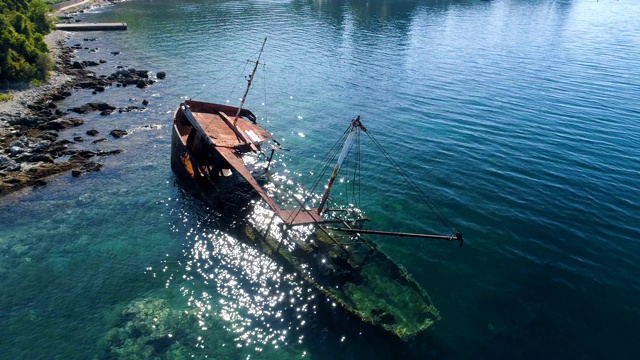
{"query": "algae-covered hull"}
pixel 352 272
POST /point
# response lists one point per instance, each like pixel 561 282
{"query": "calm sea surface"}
pixel 519 118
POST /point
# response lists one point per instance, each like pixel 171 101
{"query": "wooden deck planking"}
pixel 217 130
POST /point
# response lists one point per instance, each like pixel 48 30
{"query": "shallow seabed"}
pixel 519 118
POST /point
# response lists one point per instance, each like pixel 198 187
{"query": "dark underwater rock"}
pixel 86 168
pixel 92 107
pixel 129 108
pixel 117 133
pixel 89 63
pixel 152 329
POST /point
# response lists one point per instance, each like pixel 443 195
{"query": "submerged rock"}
pixel 109 152
pixel 86 168
pixel 151 329
pixel 89 63
pixel 60 124
pixel 85 154
pixel 103 107
pixel 129 108
pixel 118 133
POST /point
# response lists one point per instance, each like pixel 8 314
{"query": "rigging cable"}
pixel 321 168
pixel 355 182
pixel 226 76
pixel 237 81
pixel 415 187
pixel 215 81
pixel 328 159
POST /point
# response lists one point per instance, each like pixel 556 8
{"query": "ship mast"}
pixel 355 125
pixel 246 92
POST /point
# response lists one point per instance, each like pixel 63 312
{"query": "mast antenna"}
pixel 246 92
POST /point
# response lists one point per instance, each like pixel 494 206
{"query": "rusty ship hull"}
pixel 199 162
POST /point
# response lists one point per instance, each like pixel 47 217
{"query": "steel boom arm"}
pixel 457 236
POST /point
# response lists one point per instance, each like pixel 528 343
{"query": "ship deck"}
pixel 232 142
pixel 219 128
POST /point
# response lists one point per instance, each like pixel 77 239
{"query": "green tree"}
pixel 39 16
pixel 23 52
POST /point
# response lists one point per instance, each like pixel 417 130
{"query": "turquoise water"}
pixel 518 118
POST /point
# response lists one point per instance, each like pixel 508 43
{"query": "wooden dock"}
pixel 92 26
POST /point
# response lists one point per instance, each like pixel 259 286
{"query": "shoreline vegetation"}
pixel 30 119
pixel 23 51
pixel 17 93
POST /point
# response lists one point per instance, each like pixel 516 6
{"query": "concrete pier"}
pixel 92 26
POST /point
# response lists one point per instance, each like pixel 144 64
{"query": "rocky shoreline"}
pixel 30 150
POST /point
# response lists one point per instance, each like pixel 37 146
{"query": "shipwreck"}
pixel 330 248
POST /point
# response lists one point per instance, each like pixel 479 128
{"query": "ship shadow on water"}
pixel 305 321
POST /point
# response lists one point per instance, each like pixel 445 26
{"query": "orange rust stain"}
pixel 186 160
